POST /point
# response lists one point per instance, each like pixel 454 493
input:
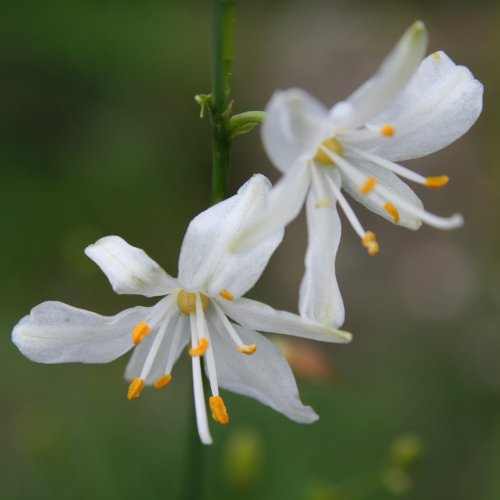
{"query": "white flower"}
pixel 194 310
pixel 410 108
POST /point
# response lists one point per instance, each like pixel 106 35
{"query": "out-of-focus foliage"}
pixel 100 135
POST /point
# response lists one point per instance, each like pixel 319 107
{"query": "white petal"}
pixel 283 206
pixel 206 264
pixel 58 333
pixel 391 182
pixel 129 269
pixel 294 127
pixel 258 316
pixel 320 298
pixel 391 78
pixel 440 104
pixel 141 351
pixel 265 375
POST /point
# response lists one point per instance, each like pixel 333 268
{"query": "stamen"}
pixel 331 144
pixel 140 331
pixel 370 243
pixel 186 302
pixel 226 294
pixel 219 412
pixel 392 211
pixel 135 388
pixel 200 349
pixel 163 381
pixel 368 186
pixel 437 182
pixel 247 349
pixel 348 211
pixel 389 165
pixel 227 325
pixel 387 130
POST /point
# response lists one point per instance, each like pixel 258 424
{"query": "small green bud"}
pixel 243 129
pixel 204 100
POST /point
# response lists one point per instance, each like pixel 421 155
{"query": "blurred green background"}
pixel 100 135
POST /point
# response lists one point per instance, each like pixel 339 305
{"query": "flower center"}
pixel 186 302
pixel 332 145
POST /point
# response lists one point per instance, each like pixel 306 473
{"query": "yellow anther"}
pixel 392 211
pixel 201 349
pixel 387 130
pixel 226 294
pixel 368 186
pixel 140 331
pixel 163 381
pixel 370 243
pixel 186 302
pixel 135 388
pixel 219 412
pixel 247 349
pixel 436 56
pixel 437 182
pixel 323 203
pixel 331 144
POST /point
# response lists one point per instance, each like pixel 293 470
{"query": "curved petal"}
pixel 391 182
pixel 265 375
pixel 129 269
pixel 258 316
pixel 320 298
pixel 391 78
pixel 173 342
pixel 284 204
pixel 58 333
pixel 440 104
pixel 206 264
pixel 294 127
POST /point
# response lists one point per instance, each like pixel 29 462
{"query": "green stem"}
pixel 193 481
pixel 220 108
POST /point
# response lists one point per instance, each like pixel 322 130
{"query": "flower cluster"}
pixel 410 108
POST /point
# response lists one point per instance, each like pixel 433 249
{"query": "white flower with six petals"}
pixel 408 109
pixel 194 309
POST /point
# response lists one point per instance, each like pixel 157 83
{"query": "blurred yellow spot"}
pixel 163 381
pixel 370 243
pixel 392 211
pixel 226 294
pixel 387 130
pixel 135 388
pixel 368 186
pixel 201 349
pixel 219 412
pixel 186 302
pixel 332 145
pixel 247 349
pixel 437 182
pixel 323 203
pixel 140 331
pixel 436 56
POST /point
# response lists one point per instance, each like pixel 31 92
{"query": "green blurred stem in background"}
pixel 223 19
pixel 219 107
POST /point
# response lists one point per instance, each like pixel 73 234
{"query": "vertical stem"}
pixel 222 56
pixel 220 111
pixel 192 485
